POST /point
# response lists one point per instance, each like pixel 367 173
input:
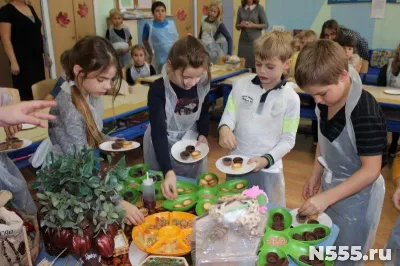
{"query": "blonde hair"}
pixel 115 12
pixel 274 44
pixel 309 34
pixel 320 63
pixel 216 5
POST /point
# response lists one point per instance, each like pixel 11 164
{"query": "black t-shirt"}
pixel 188 103
pixel 26 35
pixel 369 125
pixel 120 33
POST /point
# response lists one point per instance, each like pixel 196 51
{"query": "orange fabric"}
pixel 396 167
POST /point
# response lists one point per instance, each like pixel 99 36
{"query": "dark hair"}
pixel 92 54
pixel 157 4
pixel 396 62
pixel 138 47
pixel 64 59
pixel 348 42
pixel 189 52
pixel 330 24
pixel 254 2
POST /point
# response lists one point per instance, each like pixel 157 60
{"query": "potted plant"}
pixel 79 203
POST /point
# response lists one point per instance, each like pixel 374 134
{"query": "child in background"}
pixel 120 37
pixel 307 36
pixel 159 36
pixel 178 110
pixel 211 31
pixel 389 76
pixel 11 178
pixel 262 115
pixel 348 160
pixel 64 59
pixel 300 40
pixel 140 67
pixel 349 47
pixel 92 67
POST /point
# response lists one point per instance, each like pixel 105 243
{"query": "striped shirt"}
pixel 369 125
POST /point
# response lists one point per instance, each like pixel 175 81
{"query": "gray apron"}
pixel 140 72
pixel 207 37
pixel 394 245
pixel 178 127
pixel 124 59
pixel 357 216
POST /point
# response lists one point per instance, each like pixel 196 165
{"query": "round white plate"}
pixel 180 146
pixel 27 142
pixel 106 146
pixel 392 91
pixel 323 218
pixel 246 168
pixel 27 126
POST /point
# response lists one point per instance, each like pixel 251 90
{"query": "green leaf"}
pixel 97 228
pixel 107 178
pixel 80 218
pixel 102 198
pixel 55 202
pixel 93 182
pixel 44 209
pixel 103 214
pixel 52 219
pixel 77 210
pixel 87 170
pixel 109 158
pixel 106 207
pixel 41 196
pixel 113 215
pixel 84 190
pixel 61 214
pixel 68 224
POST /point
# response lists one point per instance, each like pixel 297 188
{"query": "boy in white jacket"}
pixel 262 115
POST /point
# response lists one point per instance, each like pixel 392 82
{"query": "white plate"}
pixel 180 146
pixel 323 218
pixel 246 168
pixel 106 146
pixel 27 126
pixel 136 256
pixel 27 142
pixel 392 92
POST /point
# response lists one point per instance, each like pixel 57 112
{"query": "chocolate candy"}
pixel 298 237
pixel 277 217
pixel 301 218
pixel 116 145
pixel 318 263
pixel 272 257
pixel 190 149
pixel 305 259
pixel 309 236
pixel 320 232
pixel 278 226
pixel 312 222
pixel 238 160
pixel 283 262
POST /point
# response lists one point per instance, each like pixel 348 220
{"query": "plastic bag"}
pixel 39 157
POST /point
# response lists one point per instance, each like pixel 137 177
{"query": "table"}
pixel 124 105
pixel 72 260
pixel 386 101
pixel 218 73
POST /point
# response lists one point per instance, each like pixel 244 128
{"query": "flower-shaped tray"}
pixel 282 242
pixel 165 233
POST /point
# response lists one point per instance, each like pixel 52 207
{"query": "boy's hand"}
pixel 201 139
pixel 261 163
pixel 396 196
pixel 312 187
pixel 315 205
pixel 133 215
pixel 227 138
pixel 168 187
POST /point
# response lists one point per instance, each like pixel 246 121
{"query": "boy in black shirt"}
pixel 351 142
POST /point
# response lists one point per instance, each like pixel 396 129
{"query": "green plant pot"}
pixel 199 207
pixel 171 204
pixel 229 187
pixel 132 198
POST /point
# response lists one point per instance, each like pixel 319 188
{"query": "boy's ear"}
pixel 77 69
pixel 287 64
pixel 344 76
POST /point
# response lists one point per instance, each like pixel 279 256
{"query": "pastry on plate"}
pixel 236 166
pixel 185 155
pixel 196 154
pixel 127 144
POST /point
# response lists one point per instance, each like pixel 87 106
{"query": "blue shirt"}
pixel 57 87
pixel 156 24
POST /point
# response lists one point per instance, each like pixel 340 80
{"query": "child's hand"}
pixel 15 68
pixel 201 139
pixel 226 58
pixel 396 198
pixel 133 215
pixel 312 187
pixel 314 205
pixel 168 187
pixel 227 138
pixel 261 163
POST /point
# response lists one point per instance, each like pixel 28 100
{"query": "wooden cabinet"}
pixel 70 21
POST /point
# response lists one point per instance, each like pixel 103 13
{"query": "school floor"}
pixel 297 168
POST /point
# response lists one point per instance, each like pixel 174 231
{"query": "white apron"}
pixel 124 59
